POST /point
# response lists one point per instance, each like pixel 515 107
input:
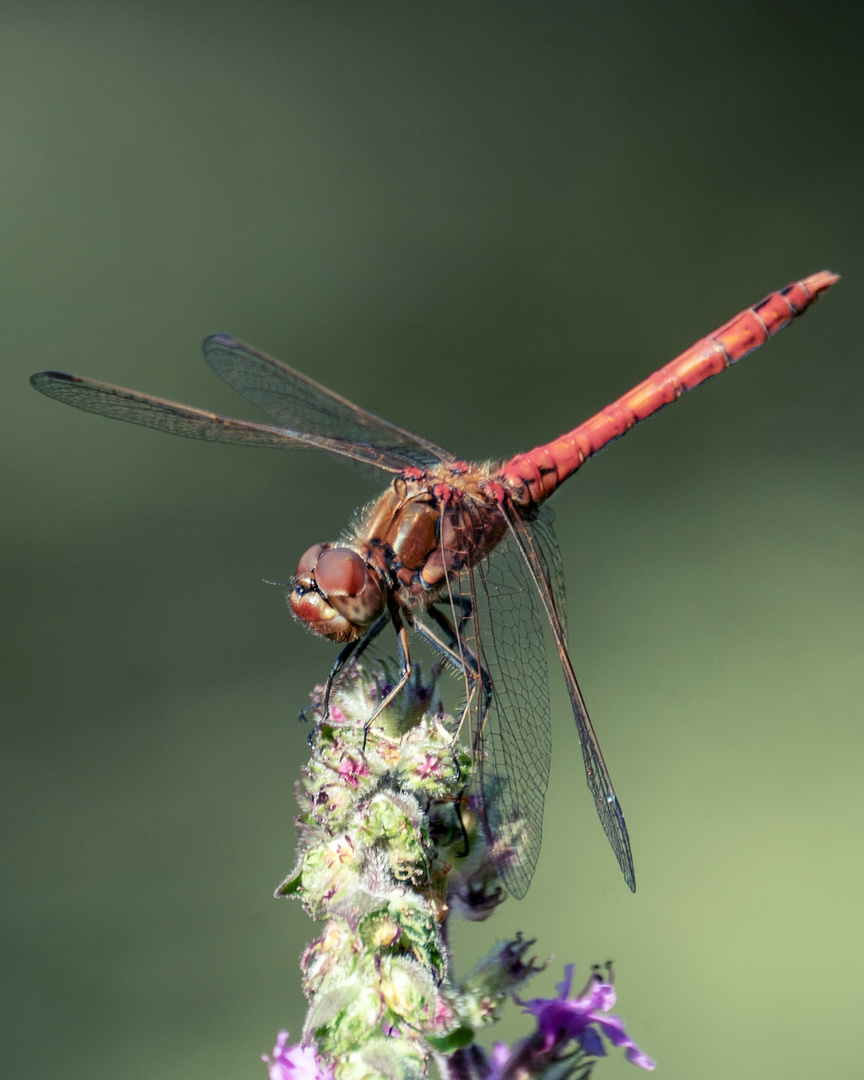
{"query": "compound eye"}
pixel 339 572
pixel 309 559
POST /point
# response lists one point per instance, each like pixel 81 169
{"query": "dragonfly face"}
pixel 418 535
pixel 336 594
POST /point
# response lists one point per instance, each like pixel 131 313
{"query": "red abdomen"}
pixel 533 477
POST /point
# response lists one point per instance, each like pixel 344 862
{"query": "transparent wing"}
pixel 303 405
pixel 148 411
pixel 514 736
pixel 599 781
pixel 541 526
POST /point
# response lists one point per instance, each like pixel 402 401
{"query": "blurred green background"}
pixel 484 221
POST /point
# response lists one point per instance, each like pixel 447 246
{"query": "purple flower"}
pixel 583 1019
pixel 352 772
pixel 500 1056
pixel 293 1062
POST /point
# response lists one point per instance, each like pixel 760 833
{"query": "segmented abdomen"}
pixel 533 476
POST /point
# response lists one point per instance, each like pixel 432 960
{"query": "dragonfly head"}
pixel 336 593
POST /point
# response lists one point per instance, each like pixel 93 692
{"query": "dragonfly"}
pixel 462 555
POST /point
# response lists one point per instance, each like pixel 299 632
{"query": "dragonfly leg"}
pixel 405 669
pixel 443 647
pixel 463 659
pixel 465 606
pixel 353 649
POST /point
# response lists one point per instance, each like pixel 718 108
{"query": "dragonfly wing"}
pixel 514 736
pixel 301 404
pixel 599 781
pixel 148 411
pixel 541 526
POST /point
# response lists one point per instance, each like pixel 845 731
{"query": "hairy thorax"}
pixel 428 525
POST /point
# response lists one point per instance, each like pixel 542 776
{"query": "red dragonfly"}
pixel 463 555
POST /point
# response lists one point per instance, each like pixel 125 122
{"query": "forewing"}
pixel 599 781
pixel 144 409
pixel 514 737
pixel 303 405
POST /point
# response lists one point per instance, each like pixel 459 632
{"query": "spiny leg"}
pixel 463 659
pixel 455 659
pixel 405 669
pixel 353 649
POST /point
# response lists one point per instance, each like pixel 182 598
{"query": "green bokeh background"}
pixel 484 221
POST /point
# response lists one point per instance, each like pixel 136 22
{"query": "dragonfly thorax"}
pixel 430 527
pixel 336 593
